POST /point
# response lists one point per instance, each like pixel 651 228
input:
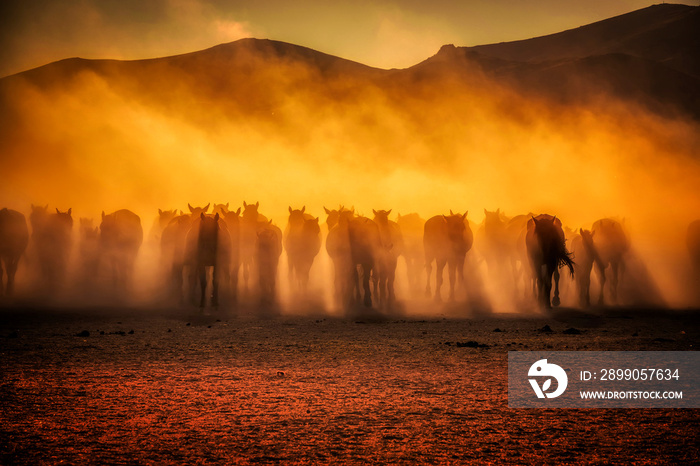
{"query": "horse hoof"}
pixel 556 301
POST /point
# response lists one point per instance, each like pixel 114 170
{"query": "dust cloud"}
pixel 156 136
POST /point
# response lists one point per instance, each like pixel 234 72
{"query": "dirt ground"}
pixel 163 386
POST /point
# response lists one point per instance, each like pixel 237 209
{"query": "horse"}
pixel 250 223
pixel 583 252
pixel 121 236
pixel 495 241
pixel 208 247
pixel 353 244
pixel 546 249
pixel 52 235
pixel 446 240
pixel 89 249
pixel 411 226
pixel 232 220
pixel 391 247
pixel 611 245
pixel 302 241
pixel 159 224
pixel 174 257
pixel 333 215
pixel 14 238
pixel 268 249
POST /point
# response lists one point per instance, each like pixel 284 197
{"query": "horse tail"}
pixel 565 260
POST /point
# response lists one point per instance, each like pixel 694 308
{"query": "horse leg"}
pixel 601 279
pixel 547 289
pixel 428 271
pixel 556 301
pixel 451 276
pixel 367 270
pixel 613 281
pixel 215 287
pixel 202 272
pixel 390 282
pixel 439 267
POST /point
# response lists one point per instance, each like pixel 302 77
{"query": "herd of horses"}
pixel 202 253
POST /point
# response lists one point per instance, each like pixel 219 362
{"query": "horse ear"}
pixel 238 212
pixel 270 222
pixel 444 217
pixel 257 204
pixel 389 212
pixel 290 209
pixel 206 207
pixel 58 211
pixel 227 205
pixel 216 217
pixel 465 215
pixel 451 212
pixel 374 212
pixel 485 211
pixel 70 211
pixel 244 204
pixel 201 215
pixel 328 212
pixel 190 207
pixel 103 215
pixel 554 219
pixel 580 231
pixel 498 211
pixel 303 208
pixel 160 212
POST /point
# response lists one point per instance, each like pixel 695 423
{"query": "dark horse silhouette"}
pixel 610 247
pixel 391 246
pixel 446 240
pixel 121 235
pixel 353 243
pixel 250 224
pixel 174 257
pixel 14 237
pixel 583 252
pixel 52 235
pixel 302 241
pixel 546 248
pixel 208 247
pixel 411 226
pixel 268 249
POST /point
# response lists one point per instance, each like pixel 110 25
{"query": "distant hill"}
pixel 650 57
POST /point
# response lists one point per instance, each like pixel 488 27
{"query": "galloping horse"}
pixel 446 240
pixel 546 248
pixel 14 237
pixel 121 236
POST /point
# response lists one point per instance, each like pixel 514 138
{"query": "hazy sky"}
pixel 382 33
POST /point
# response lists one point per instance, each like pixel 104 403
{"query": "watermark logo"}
pixel 543 369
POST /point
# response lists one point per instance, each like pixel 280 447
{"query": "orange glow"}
pixel 105 143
